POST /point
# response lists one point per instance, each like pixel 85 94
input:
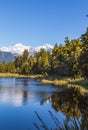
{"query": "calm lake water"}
pixel 26 104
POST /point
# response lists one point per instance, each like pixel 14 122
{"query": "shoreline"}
pixel 80 83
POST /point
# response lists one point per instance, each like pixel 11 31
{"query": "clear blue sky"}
pixel 36 22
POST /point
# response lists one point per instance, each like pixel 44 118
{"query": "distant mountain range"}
pixel 8 53
pixel 6 56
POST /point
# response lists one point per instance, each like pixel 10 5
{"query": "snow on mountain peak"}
pixel 19 48
pixel 46 47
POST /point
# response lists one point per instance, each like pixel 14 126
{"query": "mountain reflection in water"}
pixel 22 91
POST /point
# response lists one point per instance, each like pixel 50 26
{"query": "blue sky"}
pixel 36 22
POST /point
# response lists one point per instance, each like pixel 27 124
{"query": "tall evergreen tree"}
pixel 42 63
pixel 84 37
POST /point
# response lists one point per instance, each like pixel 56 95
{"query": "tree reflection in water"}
pixel 74 106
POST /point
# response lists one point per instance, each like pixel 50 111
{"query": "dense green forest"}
pixel 69 59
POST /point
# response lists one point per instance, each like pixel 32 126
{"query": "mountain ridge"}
pixel 19 48
pixel 8 54
pixel 6 57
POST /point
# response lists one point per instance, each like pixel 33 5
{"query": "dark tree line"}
pixel 70 59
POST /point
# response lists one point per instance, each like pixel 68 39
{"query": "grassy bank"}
pixel 65 81
pixel 10 75
pixel 79 83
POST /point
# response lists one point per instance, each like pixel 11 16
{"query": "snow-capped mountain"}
pixel 46 47
pixel 19 48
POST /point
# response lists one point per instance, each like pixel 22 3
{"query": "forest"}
pixel 69 59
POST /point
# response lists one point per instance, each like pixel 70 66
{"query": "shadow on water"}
pixel 73 105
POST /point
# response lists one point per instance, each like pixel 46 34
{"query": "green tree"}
pixel 25 68
pixel 84 37
pixel 83 62
pixel 18 64
pixel 42 61
pixel 21 63
pixel 25 55
pixel 83 59
pixel 2 67
pixel 73 51
pixel 32 64
pixel 10 67
pixel 54 59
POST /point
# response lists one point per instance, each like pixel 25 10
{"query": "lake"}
pixel 27 104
